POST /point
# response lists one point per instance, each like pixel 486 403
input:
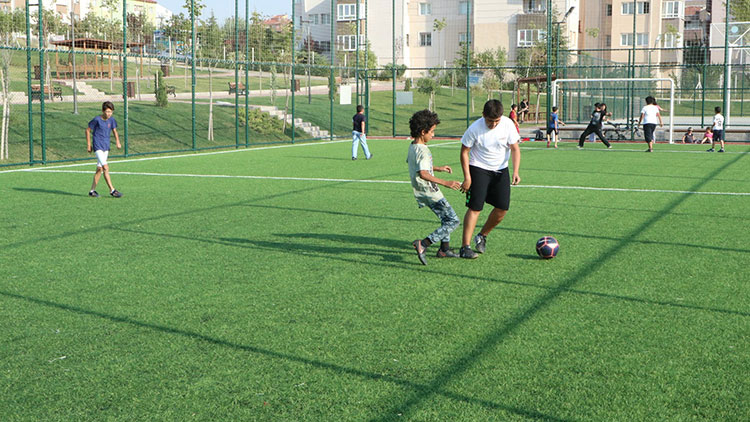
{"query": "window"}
pixel 670 40
pixel 463 8
pixel 609 10
pixel 325 19
pixel 314 19
pixel 425 9
pixel 672 9
pixel 626 40
pixel 425 39
pixel 349 42
pixel 693 23
pixel 643 7
pixel 463 38
pixel 347 12
pixel 527 37
pixel 608 41
pixel 324 46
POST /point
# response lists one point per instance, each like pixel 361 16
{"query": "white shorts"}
pixel 101 158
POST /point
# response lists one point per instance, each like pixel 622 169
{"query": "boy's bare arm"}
pixel 452 184
pixel 117 138
pixel 88 139
pixel 446 169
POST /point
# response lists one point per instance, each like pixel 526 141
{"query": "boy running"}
pixel 424 183
pixel 593 127
pixel 101 126
pixel 717 130
pixel 486 148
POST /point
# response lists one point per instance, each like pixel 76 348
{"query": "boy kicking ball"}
pixel 422 125
pixel 100 127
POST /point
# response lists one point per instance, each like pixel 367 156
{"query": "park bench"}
pixel 50 92
pixel 233 88
pixel 171 90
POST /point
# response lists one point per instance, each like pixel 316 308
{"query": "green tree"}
pixel 161 90
pixel 428 85
pixel 740 10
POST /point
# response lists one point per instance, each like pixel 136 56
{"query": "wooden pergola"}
pixel 536 80
pixel 95 69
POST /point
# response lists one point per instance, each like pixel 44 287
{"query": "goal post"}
pixel 557 82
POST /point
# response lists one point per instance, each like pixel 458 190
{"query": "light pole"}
pixel 73 50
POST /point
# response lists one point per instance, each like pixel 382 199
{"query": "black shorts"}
pixel 492 187
pixel 648 132
pixel 551 129
pixel 718 134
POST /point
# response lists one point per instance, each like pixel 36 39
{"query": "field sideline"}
pixel 279 283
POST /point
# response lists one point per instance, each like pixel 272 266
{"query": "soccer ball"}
pixel 547 247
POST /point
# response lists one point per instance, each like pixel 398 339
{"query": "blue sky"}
pixel 225 8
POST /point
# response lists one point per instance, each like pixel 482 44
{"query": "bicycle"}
pixel 621 131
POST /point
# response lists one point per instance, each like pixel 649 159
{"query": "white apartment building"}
pixel 420 43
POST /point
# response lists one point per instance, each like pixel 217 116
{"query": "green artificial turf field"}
pixel 279 283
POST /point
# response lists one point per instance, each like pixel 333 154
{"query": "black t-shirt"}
pixel 358 119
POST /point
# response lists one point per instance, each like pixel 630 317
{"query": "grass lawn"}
pixel 280 283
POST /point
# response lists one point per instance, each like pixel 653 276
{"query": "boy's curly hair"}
pixel 422 121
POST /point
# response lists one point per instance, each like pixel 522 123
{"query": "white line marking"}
pixel 197 154
pixel 321 179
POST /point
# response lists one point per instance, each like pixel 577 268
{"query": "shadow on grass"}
pixel 339 369
pixel 493 339
pixel 526 257
pixel 48 191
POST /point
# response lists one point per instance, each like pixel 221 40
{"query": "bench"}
pixel 233 88
pixel 50 92
pixel 171 90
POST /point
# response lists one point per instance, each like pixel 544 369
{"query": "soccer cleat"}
pixel 466 252
pixel 116 193
pixel 420 251
pixel 710 150
pixel 480 243
pixel 721 150
pixel 94 194
pixel 446 254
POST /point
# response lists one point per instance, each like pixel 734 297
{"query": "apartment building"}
pixel 154 12
pixel 430 33
pixel 607 29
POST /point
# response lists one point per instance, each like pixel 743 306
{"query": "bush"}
pixel 260 122
pixel 407 85
pixel 161 91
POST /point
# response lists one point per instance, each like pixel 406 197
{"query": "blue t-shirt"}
pixel 552 120
pixel 100 130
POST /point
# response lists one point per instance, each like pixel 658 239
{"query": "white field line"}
pixel 321 179
pixel 165 157
pixel 597 149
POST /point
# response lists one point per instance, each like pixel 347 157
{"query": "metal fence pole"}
pixel 469 46
pixel 549 63
pixel 332 83
pixel 293 79
pixel 192 60
pixel 236 75
pixel 125 71
pixel 41 81
pixel 28 84
pixel 247 73
pixel 727 58
pixel 393 72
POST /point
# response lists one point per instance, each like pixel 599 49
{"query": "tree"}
pixel 438 25
pixel 161 90
pixel 428 85
pixel 740 10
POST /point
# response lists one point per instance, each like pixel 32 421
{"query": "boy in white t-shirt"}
pixel 424 183
pixel 650 116
pixel 718 130
pixel 486 148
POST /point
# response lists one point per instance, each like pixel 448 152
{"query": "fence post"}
pixel 41 80
pixel 236 74
pixel 247 73
pixel 28 84
pixel 192 60
pixel 293 79
pixel 393 73
pixel 727 58
pixel 125 70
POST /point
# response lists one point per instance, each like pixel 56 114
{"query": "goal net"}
pixel 624 98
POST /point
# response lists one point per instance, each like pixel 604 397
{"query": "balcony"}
pixel 534 7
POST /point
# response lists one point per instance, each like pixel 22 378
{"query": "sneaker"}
pixel 710 150
pixel 369 157
pixel 609 147
pixel 579 147
pixel 420 251
pixel 94 194
pixel 354 158
pixel 446 254
pixel 480 243
pixel 648 150
pixel 466 252
pixel 116 193
pixel 721 150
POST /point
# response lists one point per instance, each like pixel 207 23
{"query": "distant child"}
pixel 101 126
pixel 718 130
pixel 358 133
pixel 594 127
pixel 553 129
pixel 708 136
pixel 513 115
pixel 650 116
pixel 424 184
pixel 688 137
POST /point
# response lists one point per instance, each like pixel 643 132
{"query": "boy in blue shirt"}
pixel 553 129
pixel 101 126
